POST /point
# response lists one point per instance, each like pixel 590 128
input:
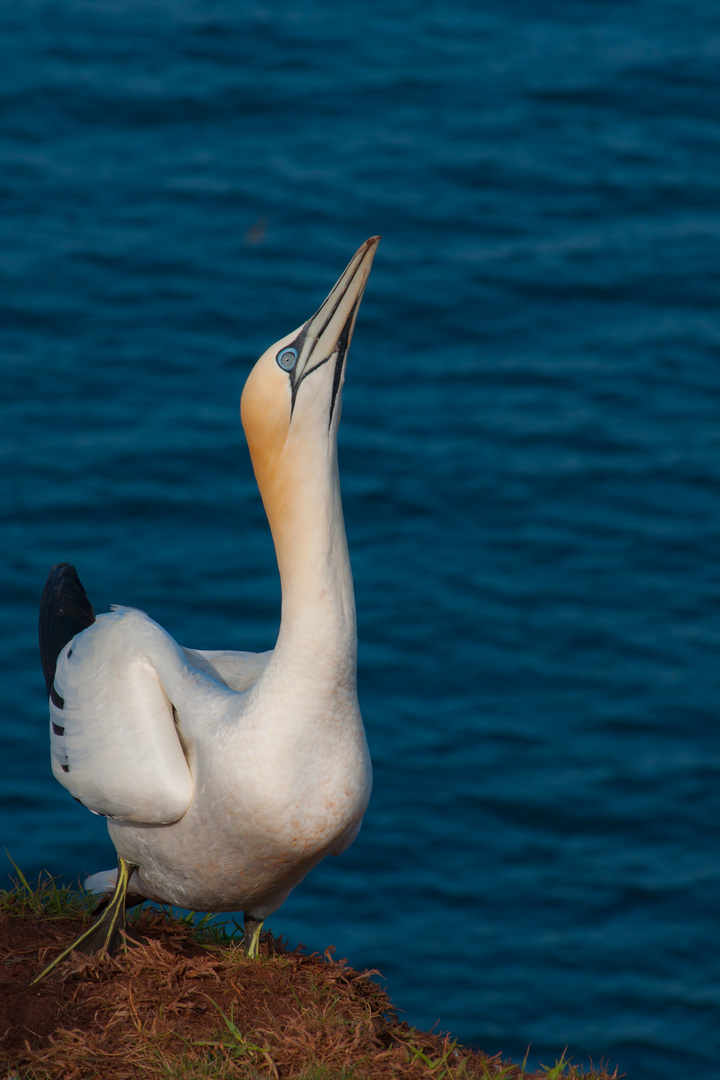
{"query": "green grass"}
pixel 47 898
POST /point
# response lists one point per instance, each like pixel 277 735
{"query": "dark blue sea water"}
pixel 530 456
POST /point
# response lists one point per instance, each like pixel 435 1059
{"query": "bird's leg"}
pixel 105 934
pixel 251 937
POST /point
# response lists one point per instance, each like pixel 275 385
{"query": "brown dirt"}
pixel 156 1011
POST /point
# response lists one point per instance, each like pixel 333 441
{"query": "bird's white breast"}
pixel 280 778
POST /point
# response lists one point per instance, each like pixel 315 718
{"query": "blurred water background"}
pixel 530 457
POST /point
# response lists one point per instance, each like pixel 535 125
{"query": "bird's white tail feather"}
pixel 102 882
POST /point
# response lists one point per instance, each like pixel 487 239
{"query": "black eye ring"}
pixel 287 359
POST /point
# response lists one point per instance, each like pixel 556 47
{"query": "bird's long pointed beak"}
pixel 326 336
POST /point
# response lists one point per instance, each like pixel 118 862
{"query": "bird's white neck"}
pixel 304 508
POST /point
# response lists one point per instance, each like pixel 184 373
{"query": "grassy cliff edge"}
pixel 188 1004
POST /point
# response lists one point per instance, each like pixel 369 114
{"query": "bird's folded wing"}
pixel 237 670
pixel 113 739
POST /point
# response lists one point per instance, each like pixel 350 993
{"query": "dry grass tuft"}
pixel 188 1004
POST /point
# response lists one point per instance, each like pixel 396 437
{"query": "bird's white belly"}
pixel 244 845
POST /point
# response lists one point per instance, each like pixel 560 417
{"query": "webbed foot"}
pixel 251 938
pixel 107 933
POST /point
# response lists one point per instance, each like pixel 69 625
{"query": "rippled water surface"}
pixel 530 456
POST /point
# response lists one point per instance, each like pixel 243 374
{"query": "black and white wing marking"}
pixel 113 737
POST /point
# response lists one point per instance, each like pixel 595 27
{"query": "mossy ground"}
pixel 189 1005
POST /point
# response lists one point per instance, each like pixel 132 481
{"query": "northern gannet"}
pixel 226 776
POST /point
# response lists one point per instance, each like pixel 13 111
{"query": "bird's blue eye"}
pixel 287 358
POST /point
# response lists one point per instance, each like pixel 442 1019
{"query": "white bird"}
pixel 226 776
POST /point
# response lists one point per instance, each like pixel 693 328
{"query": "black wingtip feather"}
pixel 64 611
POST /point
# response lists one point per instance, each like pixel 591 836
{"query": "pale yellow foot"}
pixel 251 939
pixel 105 934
